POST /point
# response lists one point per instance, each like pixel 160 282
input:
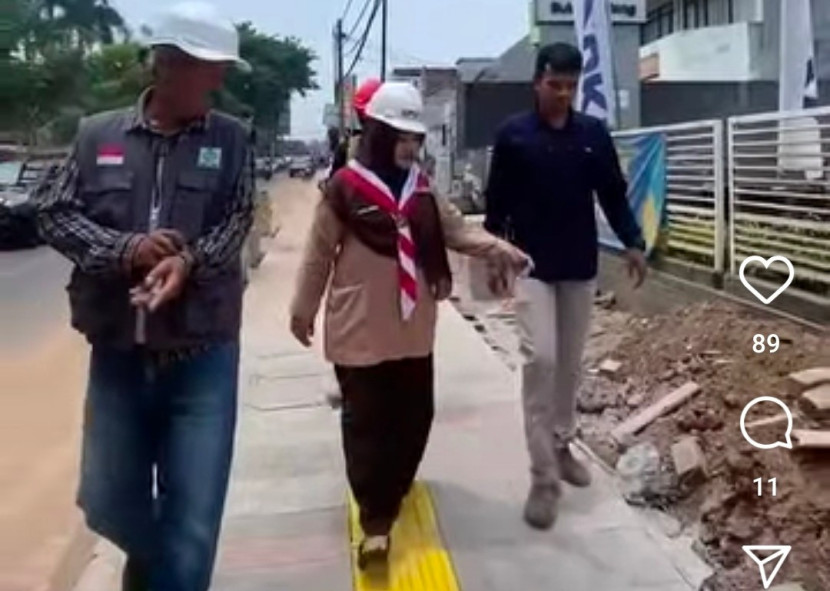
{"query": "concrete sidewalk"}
pixel 286 518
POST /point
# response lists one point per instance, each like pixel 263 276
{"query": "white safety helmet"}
pixel 197 29
pixel 399 105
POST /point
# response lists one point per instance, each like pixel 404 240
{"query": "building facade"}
pixel 721 40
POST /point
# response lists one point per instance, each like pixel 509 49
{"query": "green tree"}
pixel 279 68
pixel 116 76
pixel 40 91
pixel 89 22
pixel 57 63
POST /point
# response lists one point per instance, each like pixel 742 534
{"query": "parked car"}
pixel 265 167
pixel 18 181
pixel 281 163
pixel 302 166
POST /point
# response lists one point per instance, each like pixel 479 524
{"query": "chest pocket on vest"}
pixel 108 197
pixel 194 202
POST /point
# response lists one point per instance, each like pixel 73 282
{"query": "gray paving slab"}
pixel 289 551
pixel 580 564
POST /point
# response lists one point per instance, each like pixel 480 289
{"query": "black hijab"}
pixel 377 153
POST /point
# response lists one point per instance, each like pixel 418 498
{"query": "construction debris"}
pixel 610 367
pixel 668 403
pixel 689 462
pixel 811 377
pixel 766 422
pixel 808 439
pixel 816 401
pixel 640 474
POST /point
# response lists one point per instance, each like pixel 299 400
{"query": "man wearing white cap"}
pixel 153 207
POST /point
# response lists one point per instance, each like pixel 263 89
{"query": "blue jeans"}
pixel 157 448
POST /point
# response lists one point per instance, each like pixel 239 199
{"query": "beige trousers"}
pixel 553 321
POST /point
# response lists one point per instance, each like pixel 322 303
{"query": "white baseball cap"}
pixel 399 105
pixel 197 29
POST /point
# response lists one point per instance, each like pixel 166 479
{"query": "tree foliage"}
pixel 279 67
pixel 60 59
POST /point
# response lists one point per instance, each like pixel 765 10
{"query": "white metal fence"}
pixel 696 185
pixel 780 193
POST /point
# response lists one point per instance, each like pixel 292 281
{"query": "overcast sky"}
pixel 434 32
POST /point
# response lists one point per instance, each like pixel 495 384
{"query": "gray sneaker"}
pixel 540 508
pixel 571 470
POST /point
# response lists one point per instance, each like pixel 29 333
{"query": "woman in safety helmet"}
pixel 348 147
pixel 378 243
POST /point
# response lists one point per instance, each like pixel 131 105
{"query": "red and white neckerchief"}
pixel 374 189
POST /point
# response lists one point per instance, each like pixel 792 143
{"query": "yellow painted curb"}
pixel 419 561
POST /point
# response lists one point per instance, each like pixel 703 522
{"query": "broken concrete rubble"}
pixel 610 367
pixel 642 479
pixel 689 462
pixel 816 401
pixel 807 439
pixel 811 377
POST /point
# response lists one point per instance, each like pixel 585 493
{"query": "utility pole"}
pixel 338 74
pixel 384 25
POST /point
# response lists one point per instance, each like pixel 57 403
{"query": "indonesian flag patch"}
pixel 110 155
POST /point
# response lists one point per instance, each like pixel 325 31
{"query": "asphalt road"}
pixel 33 302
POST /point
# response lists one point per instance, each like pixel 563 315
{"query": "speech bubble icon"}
pixel 787 443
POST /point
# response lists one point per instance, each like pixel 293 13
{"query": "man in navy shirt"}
pixel 547 166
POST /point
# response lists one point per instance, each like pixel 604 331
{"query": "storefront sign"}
pixel 562 11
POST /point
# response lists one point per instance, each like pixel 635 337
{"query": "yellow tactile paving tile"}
pixel 419 561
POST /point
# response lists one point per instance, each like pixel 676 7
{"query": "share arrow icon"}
pixel 770 554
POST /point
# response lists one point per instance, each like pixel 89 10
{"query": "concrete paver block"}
pixel 807 439
pixel 817 400
pixel 787 587
pixel 689 461
pixel 642 419
pixel 811 377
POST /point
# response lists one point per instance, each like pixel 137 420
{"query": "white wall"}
pixel 711 54
pixel 749 11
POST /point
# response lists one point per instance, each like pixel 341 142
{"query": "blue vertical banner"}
pixel 597 93
pixel 643 157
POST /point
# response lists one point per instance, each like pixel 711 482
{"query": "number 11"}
pixel 760 482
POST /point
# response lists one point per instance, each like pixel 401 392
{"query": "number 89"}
pixel 761 343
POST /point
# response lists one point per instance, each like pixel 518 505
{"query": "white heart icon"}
pixel 767 263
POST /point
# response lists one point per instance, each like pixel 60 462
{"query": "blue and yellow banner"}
pixel 643 157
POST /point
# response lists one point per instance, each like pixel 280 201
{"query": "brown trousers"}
pixel 386 419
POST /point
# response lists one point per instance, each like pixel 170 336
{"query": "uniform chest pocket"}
pixel 194 202
pixel 108 197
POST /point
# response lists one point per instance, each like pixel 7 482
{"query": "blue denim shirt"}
pixel 540 193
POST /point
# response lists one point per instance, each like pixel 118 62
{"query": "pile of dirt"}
pixel 711 344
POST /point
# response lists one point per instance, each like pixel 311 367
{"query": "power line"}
pixel 346 10
pixel 356 25
pixel 399 55
pixel 364 39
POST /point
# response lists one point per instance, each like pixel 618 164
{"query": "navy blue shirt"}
pixel 540 193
